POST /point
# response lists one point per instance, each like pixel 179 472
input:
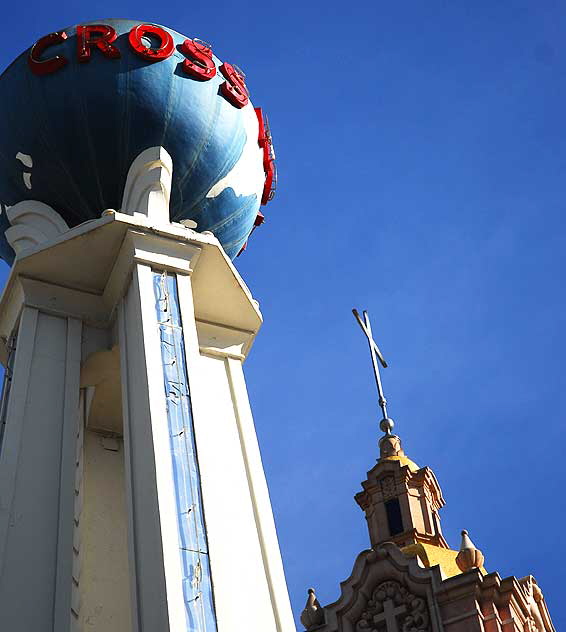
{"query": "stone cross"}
pixel 375 356
pixel 389 615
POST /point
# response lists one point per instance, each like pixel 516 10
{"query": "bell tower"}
pixel 400 500
pixel 409 578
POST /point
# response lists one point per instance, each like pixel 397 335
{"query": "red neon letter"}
pixel 99 35
pixel 166 44
pixel 201 66
pixel 266 143
pixel 46 66
pixel 234 88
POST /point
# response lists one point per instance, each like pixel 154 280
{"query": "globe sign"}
pixel 82 103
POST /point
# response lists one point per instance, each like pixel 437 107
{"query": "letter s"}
pixel 234 88
pixel 201 66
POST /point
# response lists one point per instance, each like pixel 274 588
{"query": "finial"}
pixel 469 557
pixel 148 185
pixel 386 424
pixel 313 614
pixel 390 445
pixel 32 224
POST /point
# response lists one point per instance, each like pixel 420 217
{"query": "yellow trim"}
pixel 431 555
pixel 403 460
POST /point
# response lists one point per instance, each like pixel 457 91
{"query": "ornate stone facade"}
pixel 411 581
pixel 392 606
pixel 386 592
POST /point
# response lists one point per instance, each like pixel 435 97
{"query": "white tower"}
pixel 132 494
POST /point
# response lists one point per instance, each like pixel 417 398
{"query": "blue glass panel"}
pixel 193 548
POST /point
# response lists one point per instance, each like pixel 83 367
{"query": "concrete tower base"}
pixel 132 494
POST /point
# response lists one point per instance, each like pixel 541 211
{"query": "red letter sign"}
pixel 46 66
pixel 166 44
pixel 234 88
pixel 99 35
pixel 201 66
pixel 266 143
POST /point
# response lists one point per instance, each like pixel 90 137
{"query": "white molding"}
pixel 33 223
pixel 223 341
pixel 143 284
pixel 12 304
pixel 10 449
pixel 151 250
pixel 160 596
pixel 148 185
pixel 128 468
pixel 71 414
pixel 263 511
pixel 95 309
pixel 77 514
pixel 97 258
pixel 62 301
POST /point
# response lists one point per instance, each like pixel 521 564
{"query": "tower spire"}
pixel 386 424
pixel 400 499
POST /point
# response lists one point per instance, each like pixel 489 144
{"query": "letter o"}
pixel 166 44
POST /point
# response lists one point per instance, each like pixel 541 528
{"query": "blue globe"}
pixel 69 137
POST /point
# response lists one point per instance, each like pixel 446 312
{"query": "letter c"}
pixel 40 66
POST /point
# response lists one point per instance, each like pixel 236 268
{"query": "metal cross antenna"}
pixel 386 424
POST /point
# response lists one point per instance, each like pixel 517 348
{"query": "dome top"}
pixel 81 104
pixel 403 460
pixel 390 450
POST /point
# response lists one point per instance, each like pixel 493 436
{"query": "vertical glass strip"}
pixel 193 547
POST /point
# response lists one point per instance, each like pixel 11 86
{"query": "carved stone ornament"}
pixel 148 185
pixel 390 445
pixel 538 619
pixel 392 608
pixel 388 487
pixel 33 223
pixel 469 557
pixel 313 614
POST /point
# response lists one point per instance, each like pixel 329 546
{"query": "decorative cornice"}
pixel 371 567
pixel 33 223
pixel 148 185
pixel 220 340
pixel 90 265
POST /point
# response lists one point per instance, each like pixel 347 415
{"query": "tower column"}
pixel 222 409
pixel 166 323
pixel 37 470
pixel 260 494
pixel 156 577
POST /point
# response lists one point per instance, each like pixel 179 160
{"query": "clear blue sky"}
pixel 422 158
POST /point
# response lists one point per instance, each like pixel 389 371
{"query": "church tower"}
pixel 409 580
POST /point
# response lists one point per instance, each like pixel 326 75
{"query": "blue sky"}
pixel 422 159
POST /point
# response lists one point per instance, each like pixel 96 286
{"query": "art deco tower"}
pixel 409 580
pixel 132 493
